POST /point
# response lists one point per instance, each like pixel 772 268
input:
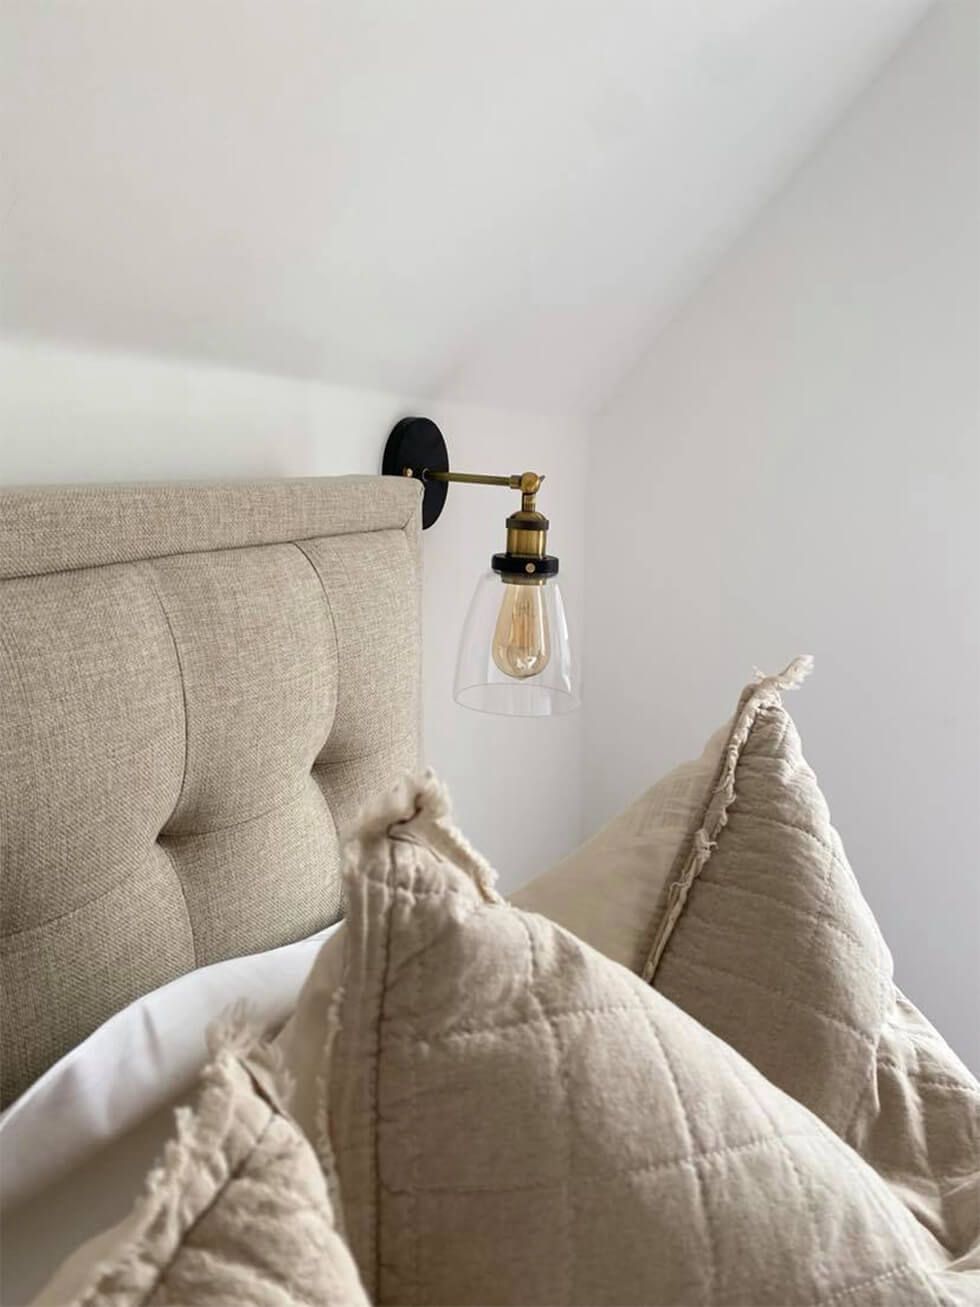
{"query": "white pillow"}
pixel 78 1143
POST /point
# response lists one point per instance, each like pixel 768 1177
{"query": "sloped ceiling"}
pixel 489 200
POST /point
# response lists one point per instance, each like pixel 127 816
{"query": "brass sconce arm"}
pixel 471 478
pixel 528 483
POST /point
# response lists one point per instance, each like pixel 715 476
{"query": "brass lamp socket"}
pixel 525 561
pixel 527 533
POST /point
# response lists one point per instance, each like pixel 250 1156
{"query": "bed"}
pixel 674 1068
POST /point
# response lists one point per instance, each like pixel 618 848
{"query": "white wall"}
pixel 795 467
pixel 72 415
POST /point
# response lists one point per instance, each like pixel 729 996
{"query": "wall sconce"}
pixel 514 655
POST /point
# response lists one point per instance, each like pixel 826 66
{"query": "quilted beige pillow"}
pixel 518 1119
pixel 770 944
pixel 237 1212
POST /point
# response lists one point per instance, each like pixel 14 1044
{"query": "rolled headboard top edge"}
pixel 60 528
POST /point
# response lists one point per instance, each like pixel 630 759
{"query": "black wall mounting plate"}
pixel 417 443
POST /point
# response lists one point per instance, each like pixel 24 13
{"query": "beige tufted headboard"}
pixel 198 685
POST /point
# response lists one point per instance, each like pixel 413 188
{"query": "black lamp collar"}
pixel 525 567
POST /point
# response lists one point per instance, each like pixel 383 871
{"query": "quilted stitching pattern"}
pixel 777 952
pixel 517 1119
pixel 236 1211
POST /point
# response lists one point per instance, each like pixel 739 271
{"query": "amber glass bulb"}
pixel 521 639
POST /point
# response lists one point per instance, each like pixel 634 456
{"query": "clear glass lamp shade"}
pixel 514 654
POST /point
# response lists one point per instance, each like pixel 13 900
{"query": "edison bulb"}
pixel 521 639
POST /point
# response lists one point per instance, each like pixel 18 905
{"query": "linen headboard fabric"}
pixel 199 685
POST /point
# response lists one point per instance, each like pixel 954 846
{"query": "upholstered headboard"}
pixel 199 684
